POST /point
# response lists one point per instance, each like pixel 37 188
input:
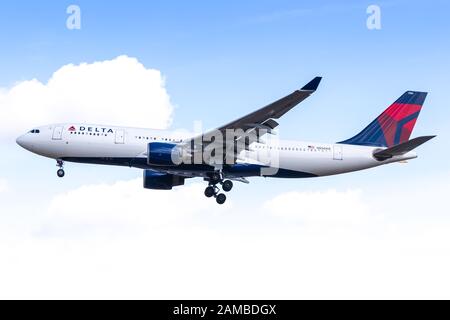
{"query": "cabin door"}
pixel 57 133
pixel 120 137
pixel 337 152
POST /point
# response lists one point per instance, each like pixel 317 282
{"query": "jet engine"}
pixel 164 154
pixel 161 181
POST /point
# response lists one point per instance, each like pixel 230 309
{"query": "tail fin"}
pixel 394 125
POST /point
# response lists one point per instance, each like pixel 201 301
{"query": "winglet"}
pixel 313 84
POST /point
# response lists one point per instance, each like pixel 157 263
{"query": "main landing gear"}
pixel 213 190
pixel 60 165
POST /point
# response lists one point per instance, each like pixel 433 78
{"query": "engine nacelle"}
pixel 161 181
pixel 164 154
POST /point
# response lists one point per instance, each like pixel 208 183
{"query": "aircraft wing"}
pixel 274 110
pixel 260 119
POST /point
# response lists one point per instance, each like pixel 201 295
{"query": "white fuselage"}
pixel 111 145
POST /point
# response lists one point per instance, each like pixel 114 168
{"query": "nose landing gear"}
pixel 60 164
pixel 214 191
pixel 60 173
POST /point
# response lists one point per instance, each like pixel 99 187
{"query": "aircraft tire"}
pixel 60 173
pixel 221 198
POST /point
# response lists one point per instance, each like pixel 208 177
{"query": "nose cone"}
pixel 23 142
pixel 20 141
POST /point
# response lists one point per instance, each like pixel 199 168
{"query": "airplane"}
pixel 385 140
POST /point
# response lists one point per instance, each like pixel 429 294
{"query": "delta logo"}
pixel 90 129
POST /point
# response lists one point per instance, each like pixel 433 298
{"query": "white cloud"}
pixel 116 92
pixel 328 206
pixel 126 206
pixel 121 241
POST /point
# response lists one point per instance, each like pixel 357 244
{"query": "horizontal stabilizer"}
pixel 401 148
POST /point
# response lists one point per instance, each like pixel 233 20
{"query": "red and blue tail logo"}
pixel 394 125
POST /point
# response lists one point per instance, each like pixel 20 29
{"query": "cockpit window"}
pixel 35 131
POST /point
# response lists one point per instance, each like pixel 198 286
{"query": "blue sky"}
pixel 222 59
pixel 230 56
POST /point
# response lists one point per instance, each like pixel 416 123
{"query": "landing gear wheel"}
pixel 209 192
pixel 60 173
pixel 215 177
pixel 227 185
pixel 221 198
